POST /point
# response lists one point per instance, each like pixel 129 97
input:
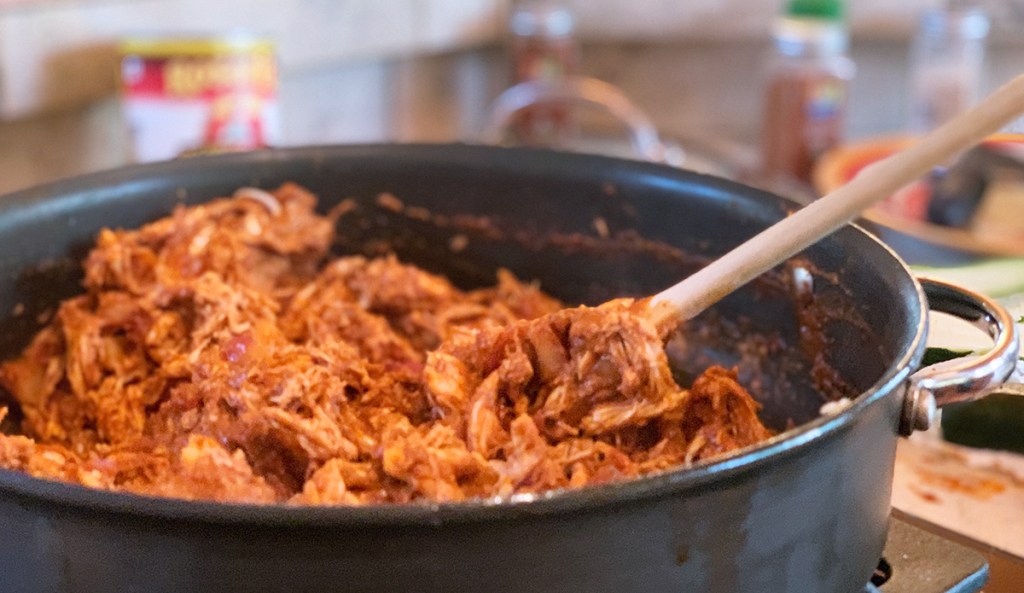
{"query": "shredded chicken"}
pixel 216 354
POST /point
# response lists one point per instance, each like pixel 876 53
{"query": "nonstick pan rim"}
pixel 68 195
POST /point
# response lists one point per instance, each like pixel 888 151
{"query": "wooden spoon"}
pixel 823 216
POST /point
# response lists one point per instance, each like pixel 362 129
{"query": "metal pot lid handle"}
pixel 582 90
pixel 966 379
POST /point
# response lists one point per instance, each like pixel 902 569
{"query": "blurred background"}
pixel 431 70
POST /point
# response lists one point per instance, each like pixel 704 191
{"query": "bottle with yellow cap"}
pixel 805 94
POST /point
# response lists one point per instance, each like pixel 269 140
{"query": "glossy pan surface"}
pixel 804 511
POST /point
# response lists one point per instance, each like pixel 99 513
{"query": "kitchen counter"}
pixel 446 97
pixel 60 54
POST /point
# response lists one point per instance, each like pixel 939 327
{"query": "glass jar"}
pixel 947 65
pixel 543 49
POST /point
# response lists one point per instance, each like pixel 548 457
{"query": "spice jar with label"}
pixel 805 94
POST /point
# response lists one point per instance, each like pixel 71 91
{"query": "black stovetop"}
pixel 917 561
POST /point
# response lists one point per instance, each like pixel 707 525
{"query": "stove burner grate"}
pixel 916 561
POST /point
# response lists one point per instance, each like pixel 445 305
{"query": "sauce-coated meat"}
pixel 217 354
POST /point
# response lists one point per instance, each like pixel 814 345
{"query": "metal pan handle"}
pixel 961 379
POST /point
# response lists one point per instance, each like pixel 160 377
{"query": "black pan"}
pixel 804 511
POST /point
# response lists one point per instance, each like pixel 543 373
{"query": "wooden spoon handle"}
pixel 823 216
